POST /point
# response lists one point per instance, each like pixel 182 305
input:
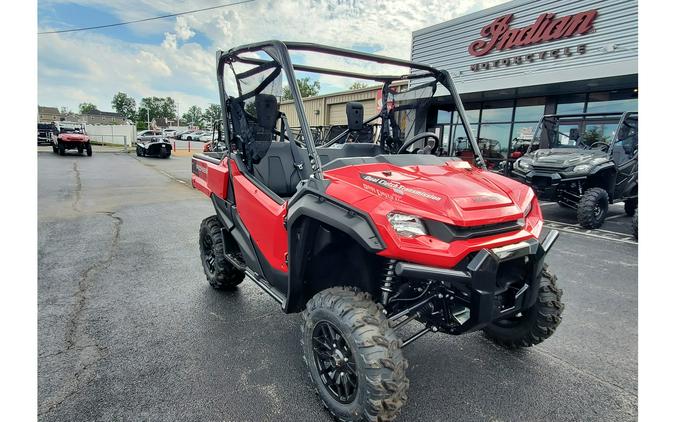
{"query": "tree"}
pixel 156 107
pixel 212 113
pixel 194 115
pixel 307 89
pixel 65 110
pixel 358 85
pixel 124 105
pixel 86 108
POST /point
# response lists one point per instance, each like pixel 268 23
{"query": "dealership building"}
pixel 514 62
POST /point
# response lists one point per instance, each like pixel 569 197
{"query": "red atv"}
pixel 70 135
pixel 366 237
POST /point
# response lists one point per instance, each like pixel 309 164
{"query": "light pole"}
pixel 148 110
pixel 178 114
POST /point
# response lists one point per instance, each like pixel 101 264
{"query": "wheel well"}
pixel 605 179
pixel 329 258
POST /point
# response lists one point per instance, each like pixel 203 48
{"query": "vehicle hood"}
pixel 563 157
pixel 73 137
pixel 455 193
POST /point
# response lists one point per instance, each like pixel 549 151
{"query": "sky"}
pixel 176 56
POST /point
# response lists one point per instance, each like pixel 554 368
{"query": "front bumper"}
pixel 545 184
pixel 479 285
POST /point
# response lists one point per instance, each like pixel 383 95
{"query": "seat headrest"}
pixel 267 110
pixel 355 116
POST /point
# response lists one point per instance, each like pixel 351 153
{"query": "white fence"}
pixel 112 134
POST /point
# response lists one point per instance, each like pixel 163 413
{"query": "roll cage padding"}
pixel 312 205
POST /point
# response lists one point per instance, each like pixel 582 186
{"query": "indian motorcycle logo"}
pixel 397 187
pixel 500 36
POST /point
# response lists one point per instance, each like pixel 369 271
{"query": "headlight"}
pixel 582 168
pixel 406 225
pixel 523 164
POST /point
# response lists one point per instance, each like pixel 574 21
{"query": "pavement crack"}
pixel 78 187
pixel 76 339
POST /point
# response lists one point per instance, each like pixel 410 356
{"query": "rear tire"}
pixel 593 208
pixel 220 273
pixel 353 356
pixel 80 150
pixel 138 151
pixel 90 152
pixel 630 205
pixel 62 149
pixel 535 324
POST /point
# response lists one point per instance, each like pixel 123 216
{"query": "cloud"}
pixel 88 66
pixel 183 31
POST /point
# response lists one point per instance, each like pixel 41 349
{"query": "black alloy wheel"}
pixel 335 362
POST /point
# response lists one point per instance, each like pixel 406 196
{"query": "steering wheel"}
pixel 603 145
pixel 423 135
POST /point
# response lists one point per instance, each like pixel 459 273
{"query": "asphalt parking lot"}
pixel 129 329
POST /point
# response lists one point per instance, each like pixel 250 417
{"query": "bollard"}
pixel 188 146
pixel 174 145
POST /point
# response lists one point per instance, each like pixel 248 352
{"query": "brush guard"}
pixel 468 300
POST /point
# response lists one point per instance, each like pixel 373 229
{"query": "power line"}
pixel 144 20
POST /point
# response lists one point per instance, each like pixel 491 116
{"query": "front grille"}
pixel 545 169
pixel 448 232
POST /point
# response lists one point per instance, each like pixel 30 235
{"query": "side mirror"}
pixel 355 116
pixel 574 134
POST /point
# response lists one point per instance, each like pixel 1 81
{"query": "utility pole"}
pixel 148 110
pixel 178 114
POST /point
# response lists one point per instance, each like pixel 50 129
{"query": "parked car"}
pixel 180 133
pixel 154 147
pixel 169 133
pixel 364 238
pixel 194 136
pixel 577 162
pixel 207 137
pixel 149 135
pixel 70 135
pixel 45 132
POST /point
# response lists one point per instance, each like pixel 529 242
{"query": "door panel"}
pixel 263 218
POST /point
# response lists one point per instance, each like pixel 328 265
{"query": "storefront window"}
pixel 493 141
pixel 571 104
pixel 497 111
pixel 460 142
pixel 524 130
pixel 529 109
pixel 613 106
pixel 443 117
pixel 472 113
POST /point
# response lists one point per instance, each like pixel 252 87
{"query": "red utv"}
pixel 68 136
pixel 366 238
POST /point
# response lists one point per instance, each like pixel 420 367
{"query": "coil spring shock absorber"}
pixel 388 279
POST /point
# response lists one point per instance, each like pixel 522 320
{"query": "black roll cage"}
pixel 279 52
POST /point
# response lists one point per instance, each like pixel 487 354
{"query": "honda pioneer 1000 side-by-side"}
pixel 584 162
pixel 373 244
pixel 70 135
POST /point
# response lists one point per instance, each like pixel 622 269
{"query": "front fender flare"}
pixel 315 206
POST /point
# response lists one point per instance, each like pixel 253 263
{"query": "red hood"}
pixel 73 137
pixel 454 193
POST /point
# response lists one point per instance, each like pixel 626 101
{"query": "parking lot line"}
pixel 597 233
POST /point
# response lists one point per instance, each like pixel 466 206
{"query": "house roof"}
pixel 104 113
pixel 48 110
